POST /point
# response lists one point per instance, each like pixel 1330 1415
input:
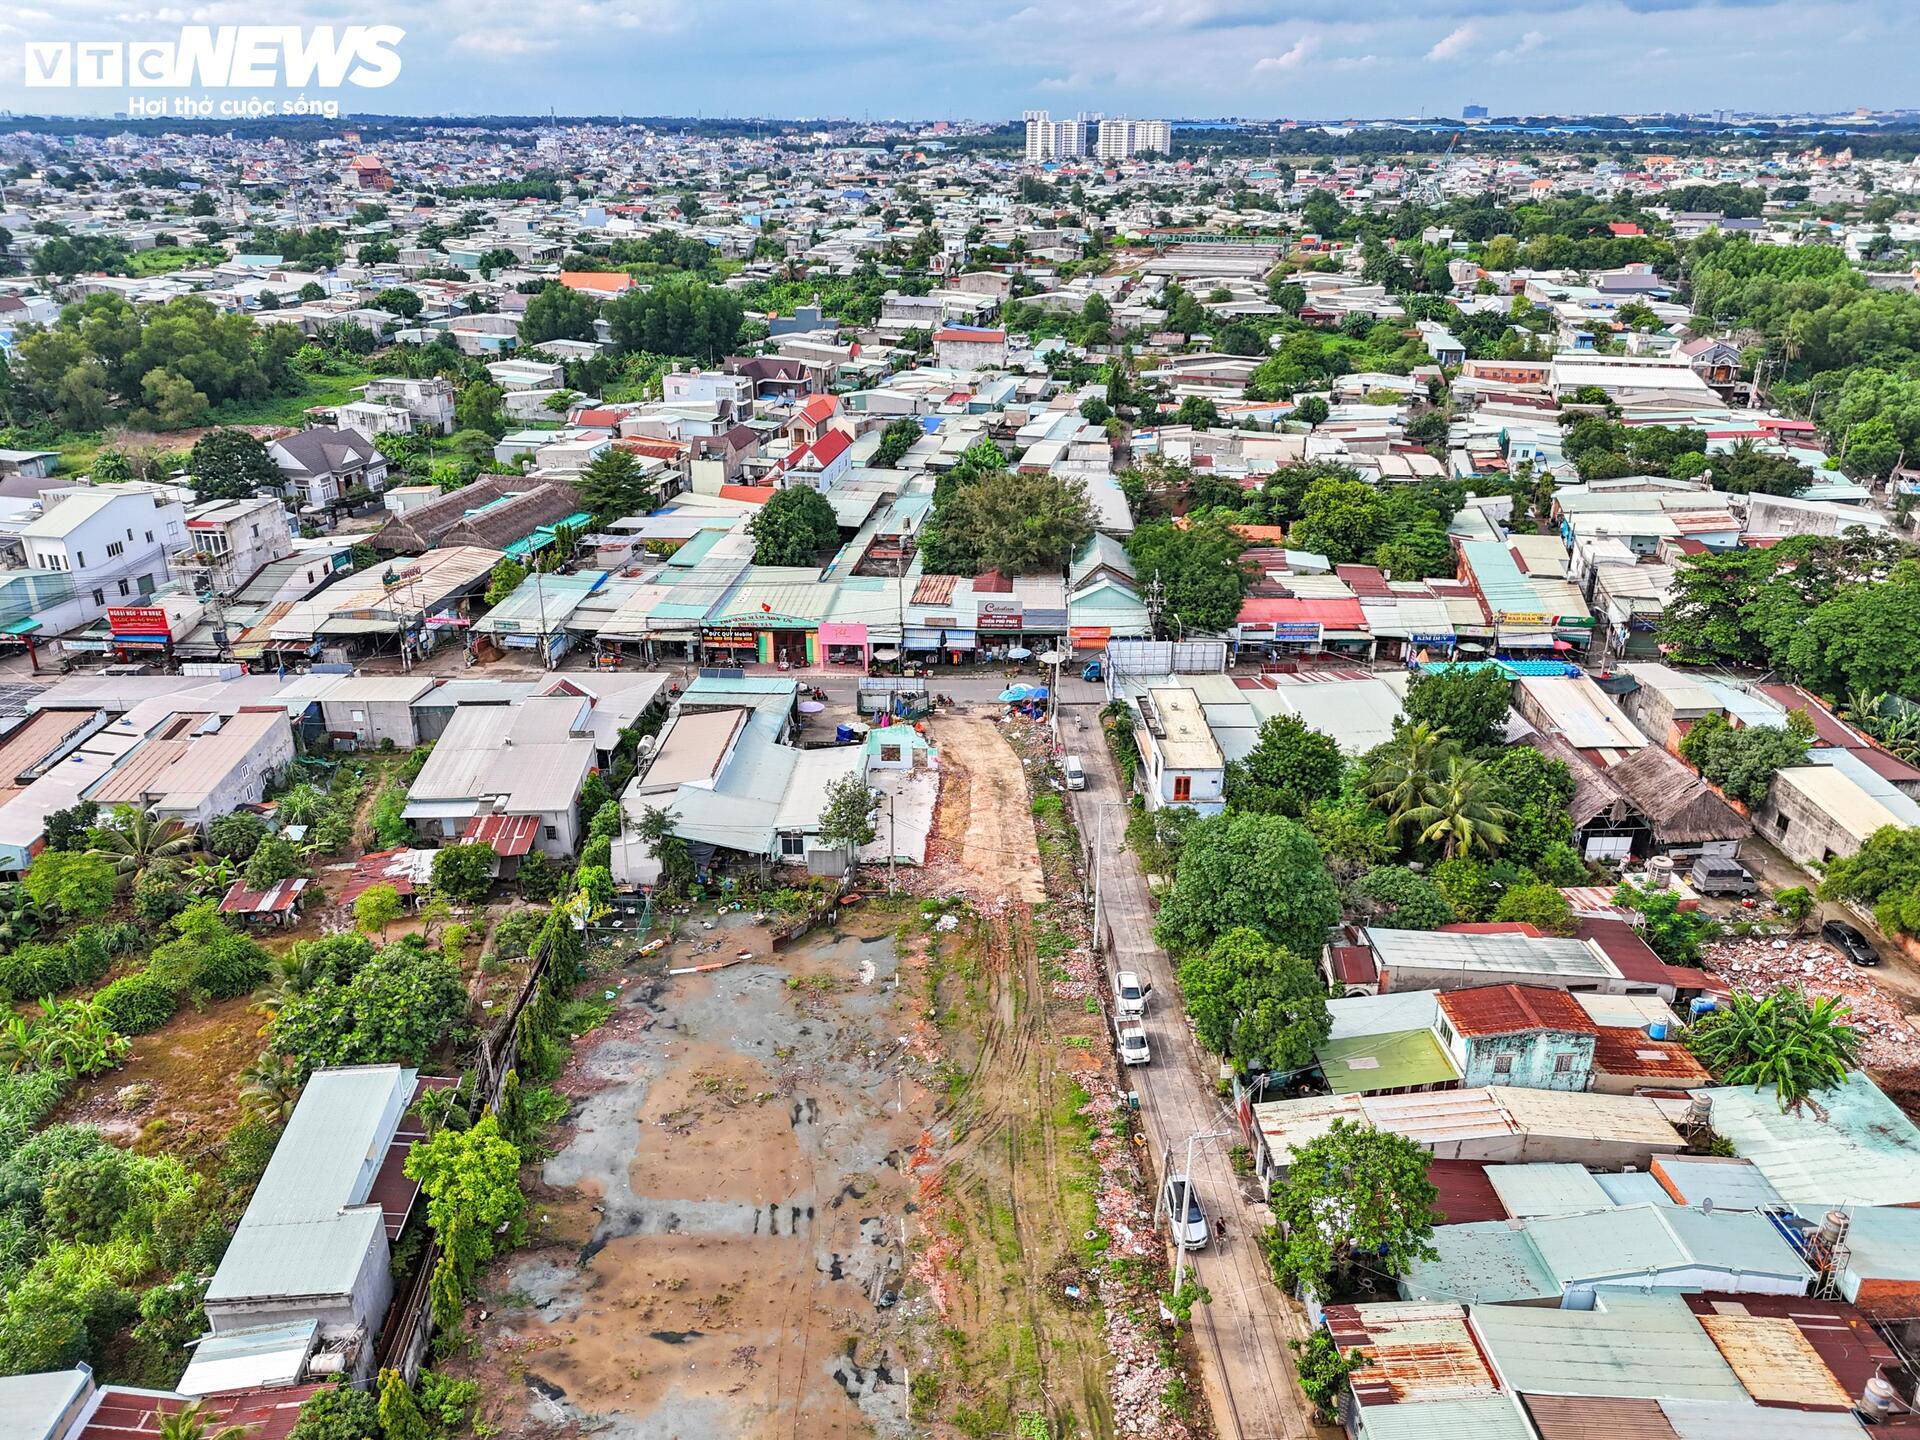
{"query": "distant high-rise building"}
pixel 1473 112
pixel 1120 138
pixel 1051 139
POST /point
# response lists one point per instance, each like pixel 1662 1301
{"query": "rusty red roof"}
pixel 274 900
pixel 1507 1009
pixel 392 1190
pixel 1844 1342
pixel 136 1414
pixel 1354 965
pixel 506 835
pixel 1467 1196
pixel 1620 1050
pixel 1418 1351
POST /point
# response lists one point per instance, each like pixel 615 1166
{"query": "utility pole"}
pixel 1186 1201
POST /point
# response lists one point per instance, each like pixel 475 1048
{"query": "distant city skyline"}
pixel 992 60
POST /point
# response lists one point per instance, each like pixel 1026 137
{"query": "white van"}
pixel 1076 776
pixel 1130 993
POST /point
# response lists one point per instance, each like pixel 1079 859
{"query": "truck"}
pixel 1720 875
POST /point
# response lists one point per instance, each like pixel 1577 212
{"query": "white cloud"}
pixel 500 44
pixel 1525 45
pixel 1453 44
pixel 1302 51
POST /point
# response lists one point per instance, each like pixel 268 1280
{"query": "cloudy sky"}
pixel 990 59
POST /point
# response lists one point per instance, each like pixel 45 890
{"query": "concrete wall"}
pixel 1534 1060
pixel 1808 834
pixel 370 722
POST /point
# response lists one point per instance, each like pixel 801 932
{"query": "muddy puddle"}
pixel 724 1224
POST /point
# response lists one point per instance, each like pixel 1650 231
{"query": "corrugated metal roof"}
pixel 1698 1420
pixel 1854 1147
pixel 1421 1350
pixel 1546 1189
pixel 1627 1346
pixel 1562 1417
pixel 1364 1063
pixel 1775 1361
pixel 1512 1009
pixel 1486 1417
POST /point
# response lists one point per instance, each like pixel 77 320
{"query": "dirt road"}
pixel 997 847
pixel 1243 1333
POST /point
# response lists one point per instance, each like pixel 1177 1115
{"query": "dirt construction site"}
pixel 880 1182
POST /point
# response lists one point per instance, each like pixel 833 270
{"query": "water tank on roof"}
pixel 1659 872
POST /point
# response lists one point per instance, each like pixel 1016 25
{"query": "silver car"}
pixel 1193 1230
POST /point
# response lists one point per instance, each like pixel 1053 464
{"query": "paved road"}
pixel 1243 1333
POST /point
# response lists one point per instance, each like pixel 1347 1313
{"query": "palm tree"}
pixel 137 841
pixel 270 1089
pixel 293 972
pixel 1798 1046
pixel 1459 810
pixel 189 1422
pixel 440 1109
pixel 1399 782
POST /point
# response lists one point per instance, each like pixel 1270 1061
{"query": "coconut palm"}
pixel 1460 810
pixel 189 1422
pixel 1797 1045
pixel 270 1088
pixel 440 1109
pixel 1399 781
pixel 293 972
pixel 136 841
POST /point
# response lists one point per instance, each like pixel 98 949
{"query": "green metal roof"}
pixel 1630 1346
pixel 1482 1417
pixel 1851 1146
pixel 1528 1190
pixel 1365 1064
pixel 1481 1264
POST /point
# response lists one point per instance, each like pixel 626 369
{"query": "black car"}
pixel 1849 942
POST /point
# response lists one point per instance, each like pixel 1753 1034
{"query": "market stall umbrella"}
pixel 1053 657
pixel 886 652
pixel 1019 652
pixel 811 707
pixel 1014 694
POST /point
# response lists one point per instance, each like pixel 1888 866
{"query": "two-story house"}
pixel 112 541
pixel 319 466
pixel 234 540
pixel 1180 761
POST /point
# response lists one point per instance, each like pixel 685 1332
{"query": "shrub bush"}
pixel 138 1003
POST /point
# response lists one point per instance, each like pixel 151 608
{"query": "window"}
pixel 890 753
pixel 115 547
pixel 125 589
pixel 149 537
pixel 99 597
pixel 1182 788
pixel 1503 1064
pixel 129 532
pixel 1780 824
pixel 793 846
pixel 552 833
pixel 1563 1064
pixel 80 557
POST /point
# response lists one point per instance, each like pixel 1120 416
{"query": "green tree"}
pixel 338 1412
pixel 231 465
pixel 1798 1046
pixel 471 1179
pixel 847 817
pixel 614 486
pixel 1674 934
pixel 1883 873
pixel 896 440
pixel 682 315
pixel 508 576
pixel 1311 410
pixel 1344 520
pixel 795 527
pixel 1290 767
pixel 1460 810
pixel 464 872
pixel 71 828
pixel 236 836
pixel 137 841
pixel 1541 906
pixel 1865 638
pixel 557 313
pixel 1324 1373
pixel 1256 1003
pixel 377 907
pixel 78 886
pixel 1016 524
pixel 1469 707
pixel 1198 570
pixel 477 411
pixel 1354 1197
pixel 192 1422
pixel 1743 761
pixel 1402 900
pixel 276 858
pixel 400 1416
pixel 1539 791
pixel 1262 871
pixel 398 300
pixel 395 1006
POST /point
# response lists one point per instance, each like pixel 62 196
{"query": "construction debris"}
pixel 1763 965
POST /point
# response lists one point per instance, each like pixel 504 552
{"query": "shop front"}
pixel 846 643
pixel 939 640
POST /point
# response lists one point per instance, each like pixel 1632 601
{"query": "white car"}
pixel 1194 1230
pixel 1130 993
pixel 1133 1045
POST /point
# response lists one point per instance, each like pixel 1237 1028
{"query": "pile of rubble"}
pixel 1140 1378
pixel 1762 966
pixel 1082 974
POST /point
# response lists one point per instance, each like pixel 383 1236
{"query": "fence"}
pixel 410 1322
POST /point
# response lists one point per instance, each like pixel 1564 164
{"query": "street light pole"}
pixel 1186 1199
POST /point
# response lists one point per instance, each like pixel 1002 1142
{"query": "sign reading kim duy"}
pixel 225 57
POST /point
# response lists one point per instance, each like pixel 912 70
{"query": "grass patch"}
pixel 291 408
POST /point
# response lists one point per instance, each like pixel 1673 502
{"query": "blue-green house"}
pixel 1524 1035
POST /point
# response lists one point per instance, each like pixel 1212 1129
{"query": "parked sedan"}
pixel 1849 942
pixel 1193 1231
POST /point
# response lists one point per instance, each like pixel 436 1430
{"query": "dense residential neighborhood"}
pixel 1074 776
